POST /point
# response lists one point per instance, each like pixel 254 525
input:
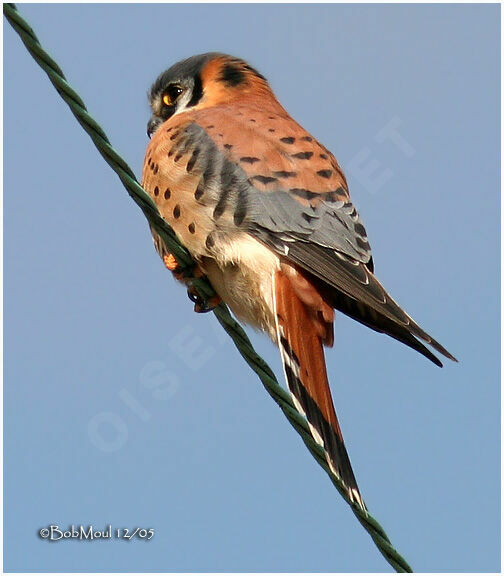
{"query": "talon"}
pixel 201 306
pixel 207 305
pixel 193 295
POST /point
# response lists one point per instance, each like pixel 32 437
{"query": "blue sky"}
pixel 123 407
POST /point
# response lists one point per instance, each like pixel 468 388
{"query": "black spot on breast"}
pixel 156 191
pixel 192 160
pixel 210 240
pixel 220 207
pixel 264 179
pixel 228 146
pixel 307 138
pixel 324 173
pixel 176 211
pixel 284 174
pixel 167 194
pixel 249 159
pixel 148 162
pixel 178 157
pixel 199 190
pixel 232 75
pixel 192 228
pixel 303 155
pixel 156 168
pixel 169 129
pixel 303 193
pixel 210 126
pixel 271 118
pixel 288 140
pixel 323 156
pixel 174 135
pixel 251 120
pixel 271 130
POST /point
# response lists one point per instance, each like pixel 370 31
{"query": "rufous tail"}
pixel 299 316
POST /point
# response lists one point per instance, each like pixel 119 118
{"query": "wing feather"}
pixel 288 191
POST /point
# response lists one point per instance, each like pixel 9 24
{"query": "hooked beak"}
pixel 153 125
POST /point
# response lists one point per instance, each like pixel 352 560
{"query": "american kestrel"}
pixel 264 209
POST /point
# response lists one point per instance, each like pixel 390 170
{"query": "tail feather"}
pixel 301 349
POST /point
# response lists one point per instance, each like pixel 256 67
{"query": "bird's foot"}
pixel 201 305
pixel 182 274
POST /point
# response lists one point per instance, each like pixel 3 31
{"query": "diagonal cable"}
pixel 205 290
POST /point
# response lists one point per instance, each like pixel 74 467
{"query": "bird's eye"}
pixel 171 95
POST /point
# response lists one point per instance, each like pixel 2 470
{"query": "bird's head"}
pixel 200 82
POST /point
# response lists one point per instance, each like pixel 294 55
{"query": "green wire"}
pixel 203 287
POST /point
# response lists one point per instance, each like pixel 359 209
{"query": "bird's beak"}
pixel 153 125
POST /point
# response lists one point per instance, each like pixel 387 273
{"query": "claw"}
pixel 183 275
pixel 201 306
